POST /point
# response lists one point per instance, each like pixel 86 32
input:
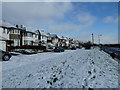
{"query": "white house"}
pixel 15 36
pixel 42 37
pixel 4 34
pixel 67 42
pixel 35 39
pixel 30 38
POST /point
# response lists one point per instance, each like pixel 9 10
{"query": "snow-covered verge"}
pixel 70 69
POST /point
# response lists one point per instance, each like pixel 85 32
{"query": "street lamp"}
pixel 92 38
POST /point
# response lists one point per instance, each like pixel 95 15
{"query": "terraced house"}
pixel 15 36
pixel 30 38
pixel 18 37
pixel 4 38
pixel 53 38
pixel 5 35
pixel 42 37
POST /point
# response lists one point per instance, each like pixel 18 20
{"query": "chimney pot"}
pixel 17 26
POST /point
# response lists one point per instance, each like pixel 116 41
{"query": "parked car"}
pixel 50 47
pixel 5 56
pixel 59 49
pixel 73 48
pixel 79 47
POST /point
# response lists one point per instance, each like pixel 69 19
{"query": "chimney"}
pixel 17 26
pixel 21 26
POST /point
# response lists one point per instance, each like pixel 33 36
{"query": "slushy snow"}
pixel 70 69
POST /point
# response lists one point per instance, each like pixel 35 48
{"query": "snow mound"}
pixel 70 69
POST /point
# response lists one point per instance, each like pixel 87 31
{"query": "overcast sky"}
pixel 73 19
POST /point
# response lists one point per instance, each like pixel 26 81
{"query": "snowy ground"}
pixel 70 69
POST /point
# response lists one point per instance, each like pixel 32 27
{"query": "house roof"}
pixel 31 32
pixel 60 37
pixel 6 24
pixel 53 35
pixel 43 33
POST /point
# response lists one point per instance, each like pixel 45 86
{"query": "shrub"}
pixel 87 45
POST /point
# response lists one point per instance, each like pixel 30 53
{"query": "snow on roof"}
pixel 59 37
pixel 43 33
pixel 5 23
pixel 53 35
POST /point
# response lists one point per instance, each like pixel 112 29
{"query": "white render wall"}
pixel 44 38
pixel 67 42
pixel 25 38
pixel 34 39
pixel 3 45
pixel 3 36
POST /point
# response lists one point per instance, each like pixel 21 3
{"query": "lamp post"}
pixel 92 38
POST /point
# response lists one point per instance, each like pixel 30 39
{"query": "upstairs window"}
pixel 4 30
pixel 17 31
pixel 12 31
pixel 35 36
pixel 25 34
pixel 7 31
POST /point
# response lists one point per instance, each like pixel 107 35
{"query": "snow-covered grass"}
pixel 70 69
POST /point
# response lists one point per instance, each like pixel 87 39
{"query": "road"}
pixel 115 52
pixel 70 69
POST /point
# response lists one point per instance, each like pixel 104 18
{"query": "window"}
pixel 25 34
pixel 25 42
pixel 17 41
pixel 35 36
pixel 7 31
pixel 13 42
pixel 29 35
pixel 3 30
pixel 31 42
pixel 12 31
pixel 17 31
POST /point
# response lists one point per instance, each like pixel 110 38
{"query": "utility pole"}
pixel 92 38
